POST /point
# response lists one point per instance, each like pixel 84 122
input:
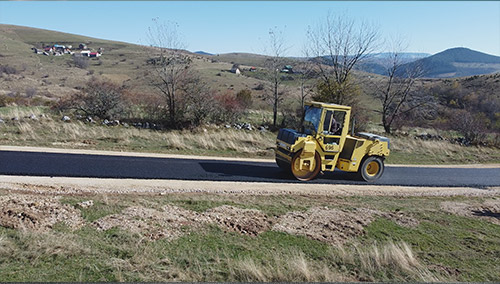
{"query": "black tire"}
pixel 371 169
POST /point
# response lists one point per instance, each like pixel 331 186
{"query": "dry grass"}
pixel 393 261
pixel 145 264
pixel 38 246
pixel 49 130
pixel 432 151
pixel 294 266
pixel 21 112
pixel 398 260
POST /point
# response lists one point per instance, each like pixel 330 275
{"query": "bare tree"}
pixel 276 50
pixel 396 91
pixel 338 44
pixel 306 72
pixel 171 66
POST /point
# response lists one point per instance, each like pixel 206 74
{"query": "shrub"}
pixel 6 100
pixel 229 109
pixel 81 61
pixel 31 92
pixel 244 98
pixel 8 69
pixel 259 87
pixel 101 99
pixel 471 126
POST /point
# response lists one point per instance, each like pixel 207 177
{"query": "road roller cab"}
pixel 324 144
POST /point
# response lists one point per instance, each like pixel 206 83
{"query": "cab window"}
pixel 334 122
pixel 312 117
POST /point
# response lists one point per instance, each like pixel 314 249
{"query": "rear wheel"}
pixel 371 169
pixel 308 172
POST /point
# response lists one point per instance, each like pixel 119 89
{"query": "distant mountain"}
pixel 375 62
pixel 456 62
pixel 203 53
pixel 405 56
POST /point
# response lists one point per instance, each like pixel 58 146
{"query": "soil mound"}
pixel 168 222
pixel 244 221
pixel 333 226
pixel 36 213
pixel 488 211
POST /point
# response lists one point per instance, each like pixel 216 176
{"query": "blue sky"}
pixel 226 26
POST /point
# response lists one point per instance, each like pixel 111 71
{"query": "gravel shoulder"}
pixel 75 186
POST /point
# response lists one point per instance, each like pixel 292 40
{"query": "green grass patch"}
pixel 460 248
pixel 442 247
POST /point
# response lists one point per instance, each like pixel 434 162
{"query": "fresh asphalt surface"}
pixel 99 166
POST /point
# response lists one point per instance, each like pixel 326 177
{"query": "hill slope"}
pixel 55 76
pixel 457 62
pixel 123 63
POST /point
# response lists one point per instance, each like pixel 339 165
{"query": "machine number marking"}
pixel 330 147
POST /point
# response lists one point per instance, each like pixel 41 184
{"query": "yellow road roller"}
pixel 324 143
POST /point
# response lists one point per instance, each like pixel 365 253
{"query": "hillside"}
pixel 457 62
pixel 22 71
pixel 56 76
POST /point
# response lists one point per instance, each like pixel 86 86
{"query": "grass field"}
pixel 435 246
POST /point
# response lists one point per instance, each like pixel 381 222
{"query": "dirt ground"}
pixel 34 212
pixel 335 226
pixel 244 221
pixel 489 210
pixel 155 224
pixel 32 203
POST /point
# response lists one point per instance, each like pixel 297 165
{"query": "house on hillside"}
pixel 236 69
pixel 37 51
pixel 252 69
pixel 60 48
pixel 287 69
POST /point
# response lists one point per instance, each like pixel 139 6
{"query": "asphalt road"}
pixel 99 166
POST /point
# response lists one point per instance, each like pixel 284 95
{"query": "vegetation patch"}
pixel 148 239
